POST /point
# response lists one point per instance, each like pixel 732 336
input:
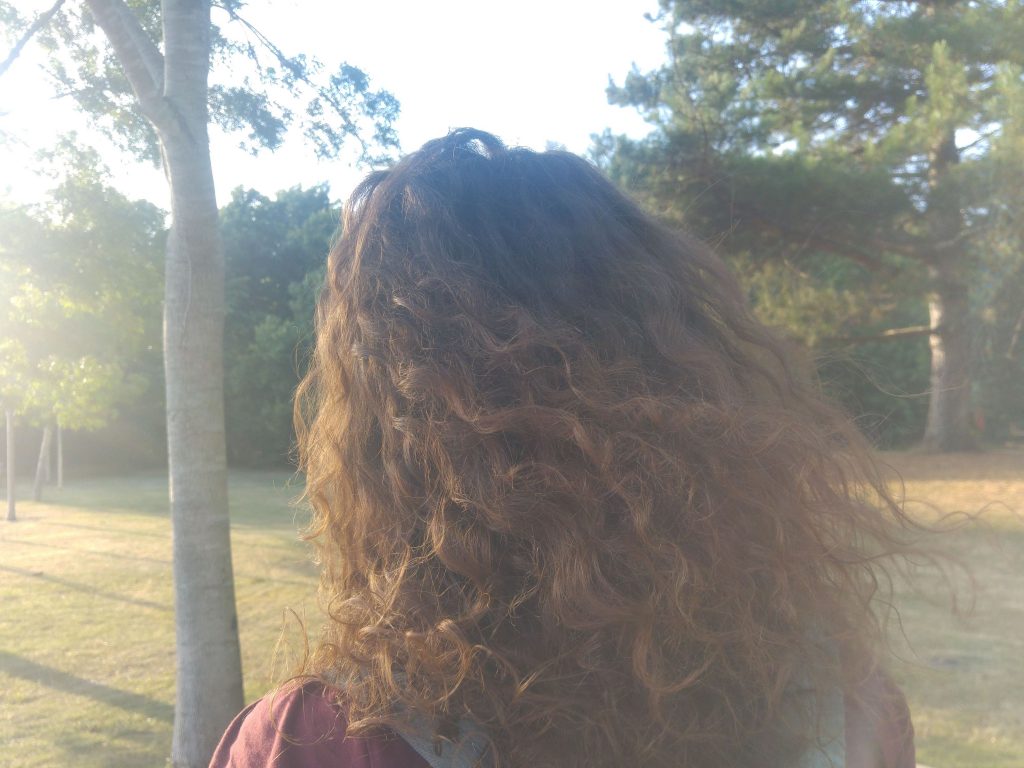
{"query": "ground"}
pixel 963 670
pixel 86 624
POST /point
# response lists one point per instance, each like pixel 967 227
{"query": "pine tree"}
pixel 879 134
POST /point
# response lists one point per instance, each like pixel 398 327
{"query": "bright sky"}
pixel 531 72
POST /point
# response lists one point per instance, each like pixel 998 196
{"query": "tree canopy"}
pixel 79 297
pixel 275 251
pixel 869 147
pixel 258 92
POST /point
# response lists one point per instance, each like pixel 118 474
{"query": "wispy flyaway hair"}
pixel 565 485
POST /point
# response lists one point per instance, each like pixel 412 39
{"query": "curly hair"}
pixel 565 486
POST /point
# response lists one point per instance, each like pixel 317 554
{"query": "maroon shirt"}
pixel 303 727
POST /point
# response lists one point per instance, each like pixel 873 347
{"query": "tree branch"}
pixel 892 334
pixel 266 42
pixel 982 137
pixel 858 255
pixel 922 250
pixel 36 25
pixel 768 224
pixel 141 59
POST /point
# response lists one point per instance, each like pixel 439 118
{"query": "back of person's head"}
pixel 564 485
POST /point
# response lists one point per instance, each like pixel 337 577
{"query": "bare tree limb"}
pixel 867 259
pixel 282 58
pixel 982 137
pixel 36 25
pixel 891 334
pixel 925 250
pixel 142 61
pixel 865 252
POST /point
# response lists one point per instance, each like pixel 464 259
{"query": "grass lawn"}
pixel 964 674
pixel 86 625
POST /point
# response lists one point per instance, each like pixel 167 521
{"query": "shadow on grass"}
pixel 144 748
pixel 122 532
pixel 258 499
pixel 74 585
pixel 25 669
pixel 137 494
pixel 96 552
pixel 305 568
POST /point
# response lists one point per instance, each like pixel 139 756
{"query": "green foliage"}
pixel 257 92
pixel 79 298
pixel 256 103
pixel 14 368
pixel 999 295
pixel 883 385
pixel 999 291
pixel 94 565
pixel 275 252
pixel 808 307
pixel 798 135
pixel 80 287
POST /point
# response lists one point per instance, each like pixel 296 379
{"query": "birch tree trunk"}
pixel 209 689
pixel 948 425
pixel 44 456
pixel 60 458
pixel 209 692
pixel 11 495
pixel 172 92
pixel 48 459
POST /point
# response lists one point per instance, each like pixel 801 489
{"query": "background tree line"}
pixel 95 329
pixel 857 164
pixel 82 338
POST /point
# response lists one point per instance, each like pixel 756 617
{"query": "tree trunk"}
pixel 11 516
pixel 44 455
pixel 60 458
pixel 172 92
pixel 48 462
pixel 209 683
pixel 948 426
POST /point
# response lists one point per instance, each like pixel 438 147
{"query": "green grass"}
pixel 86 620
pixel 963 671
pixel 86 624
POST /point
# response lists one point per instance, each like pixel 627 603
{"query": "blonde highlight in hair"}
pixel 565 486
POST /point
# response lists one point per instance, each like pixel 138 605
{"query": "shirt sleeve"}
pixel 302 727
pixel 879 730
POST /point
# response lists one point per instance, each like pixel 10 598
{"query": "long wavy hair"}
pixel 566 487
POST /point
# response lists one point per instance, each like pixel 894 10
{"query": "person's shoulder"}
pixel 879 729
pixel 304 726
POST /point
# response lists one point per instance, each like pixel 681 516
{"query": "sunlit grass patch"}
pixel 963 671
pixel 87 624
